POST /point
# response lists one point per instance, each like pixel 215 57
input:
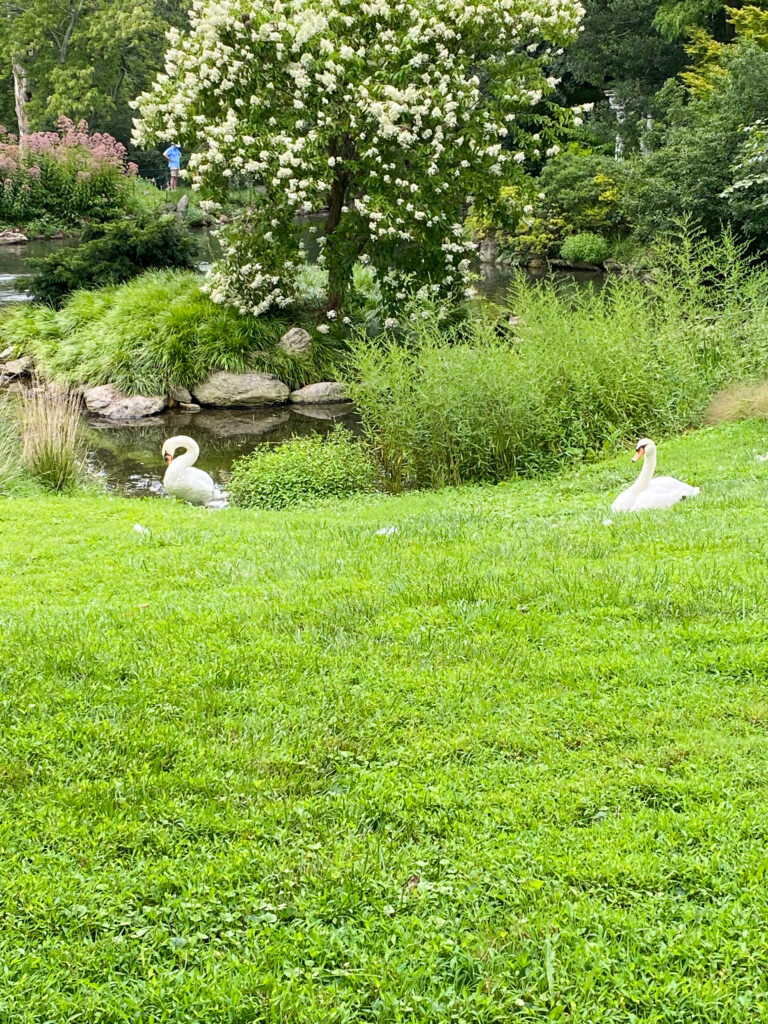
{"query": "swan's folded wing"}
pixel 664 492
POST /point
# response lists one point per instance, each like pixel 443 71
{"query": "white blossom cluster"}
pixel 392 114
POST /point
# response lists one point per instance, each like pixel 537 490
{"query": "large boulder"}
pixel 11 237
pixel 320 394
pixel 108 401
pixel 241 389
pixel 296 342
pixel 17 368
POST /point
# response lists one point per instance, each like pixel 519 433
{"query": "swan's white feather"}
pixel 182 479
pixel 664 493
pixel 189 484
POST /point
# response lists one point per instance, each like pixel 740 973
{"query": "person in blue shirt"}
pixel 173 156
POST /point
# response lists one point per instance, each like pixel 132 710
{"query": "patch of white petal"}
pixel 294 94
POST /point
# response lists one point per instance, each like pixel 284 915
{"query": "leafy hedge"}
pixel 109 254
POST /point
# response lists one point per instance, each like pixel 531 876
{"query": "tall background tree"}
pixel 80 58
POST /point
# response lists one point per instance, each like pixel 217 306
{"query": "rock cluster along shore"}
pixel 221 389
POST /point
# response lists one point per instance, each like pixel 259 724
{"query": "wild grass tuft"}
pixel 52 451
pixel 156 332
pixel 10 447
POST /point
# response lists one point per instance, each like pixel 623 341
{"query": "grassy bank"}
pixel 507 763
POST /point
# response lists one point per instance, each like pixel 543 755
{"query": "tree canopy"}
pixel 394 114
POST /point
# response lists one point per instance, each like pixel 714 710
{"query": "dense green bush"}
pixel 694 147
pixel 584 247
pixel 155 332
pixel 577 192
pixel 302 471
pixel 108 254
pixel 583 369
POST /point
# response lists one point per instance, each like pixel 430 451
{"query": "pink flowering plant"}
pixel 393 115
pixel 71 174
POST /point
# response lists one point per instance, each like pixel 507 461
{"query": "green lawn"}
pixel 507 764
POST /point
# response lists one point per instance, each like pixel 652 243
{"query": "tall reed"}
pixel 572 374
pixel 10 446
pixel 52 451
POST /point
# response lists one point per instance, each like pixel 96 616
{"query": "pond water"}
pixel 126 456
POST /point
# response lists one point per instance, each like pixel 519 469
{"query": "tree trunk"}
pixel 64 48
pixel 22 96
pixel 336 278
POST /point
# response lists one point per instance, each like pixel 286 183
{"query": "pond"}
pixel 126 456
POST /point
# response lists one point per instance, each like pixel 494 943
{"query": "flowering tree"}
pixel 392 114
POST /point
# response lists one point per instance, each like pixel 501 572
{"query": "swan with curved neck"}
pixel 649 491
pixel 182 480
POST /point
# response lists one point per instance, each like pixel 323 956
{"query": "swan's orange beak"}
pixel 638 454
pixel 168 458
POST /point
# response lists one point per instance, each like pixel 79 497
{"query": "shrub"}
pixel 302 471
pixel 109 254
pixel 69 174
pixel 487 399
pixel 156 332
pixel 585 247
pixel 51 448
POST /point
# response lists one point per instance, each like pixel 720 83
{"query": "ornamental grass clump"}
pixel 10 446
pixel 52 450
pixel 303 471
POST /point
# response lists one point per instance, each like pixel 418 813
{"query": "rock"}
pixel 11 237
pixel 7 353
pixel 536 263
pixel 320 394
pixel 296 342
pixel 180 395
pixel 17 368
pixel 189 406
pixel 515 321
pixel 241 389
pixel 182 205
pixel 108 401
pixel 488 250
pixel 224 219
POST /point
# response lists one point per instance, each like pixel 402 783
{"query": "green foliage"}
pixel 695 148
pixel 303 471
pixel 86 60
pixel 584 247
pixel 109 254
pixel 155 332
pixel 503 765
pixel 582 369
pixel 578 192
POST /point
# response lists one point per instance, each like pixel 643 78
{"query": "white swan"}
pixel 181 479
pixel 650 492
